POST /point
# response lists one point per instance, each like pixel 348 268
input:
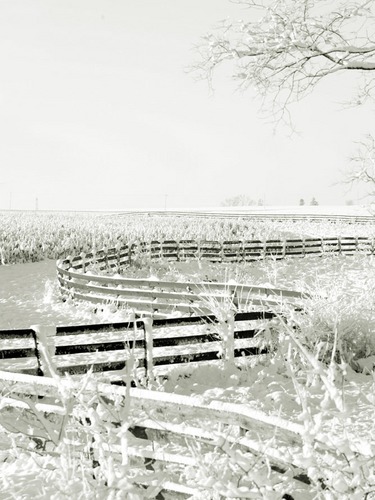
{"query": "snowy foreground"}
pixel 96 459
pixel 333 403
pixel 318 379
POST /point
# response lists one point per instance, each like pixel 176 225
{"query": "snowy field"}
pixel 29 295
pixel 330 390
pixel 340 210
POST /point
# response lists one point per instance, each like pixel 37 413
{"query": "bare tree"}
pixel 288 46
pixel 240 200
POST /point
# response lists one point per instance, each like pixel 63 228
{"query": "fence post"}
pixel 130 254
pixel 149 347
pixel 83 263
pixel 45 348
pixel 118 256
pixel 105 255
pixel 227 326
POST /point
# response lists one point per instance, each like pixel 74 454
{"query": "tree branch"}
pixel 292 45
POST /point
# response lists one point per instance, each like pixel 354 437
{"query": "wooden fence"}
pixel 87 276
pixel 175 432
pixel 141 350
pixel 152 347
pixel 166 428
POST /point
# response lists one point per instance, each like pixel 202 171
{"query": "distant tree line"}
pixel 241 200
pixel 244 200
pixel 313 202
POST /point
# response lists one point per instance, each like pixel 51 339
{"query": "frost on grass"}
pixel 319 375
pixel 89 460
pixel 80 455
pixel 35 236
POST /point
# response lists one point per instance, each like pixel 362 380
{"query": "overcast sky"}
pixel 98 112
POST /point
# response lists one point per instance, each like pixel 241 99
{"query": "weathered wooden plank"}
pixel 144 306
pixel 128 327
pixel 28 365
pixel 17 334
pixel 18 351
pixel 313 245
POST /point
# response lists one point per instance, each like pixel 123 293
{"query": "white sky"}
pixel 98 112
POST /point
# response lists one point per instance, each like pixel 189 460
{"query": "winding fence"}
pixel 88 276
pixel 166 429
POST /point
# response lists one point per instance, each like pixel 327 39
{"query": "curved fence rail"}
pixel 168 429
pixel 91 277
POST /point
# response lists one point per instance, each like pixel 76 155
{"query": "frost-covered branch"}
pixel 287 47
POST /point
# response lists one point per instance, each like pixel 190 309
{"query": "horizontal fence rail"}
pixel 90 276
pixel 19 351
pixel 165 426
pixel 150 347
pixel 166 429
pixel 245 214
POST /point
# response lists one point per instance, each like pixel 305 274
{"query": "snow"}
pixel 265 387
pixel 338 210
pixel 29 294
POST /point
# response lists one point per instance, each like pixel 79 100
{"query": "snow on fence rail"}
pixel 167 428
pixel 152 347
pixel 83 276
pixel 140 350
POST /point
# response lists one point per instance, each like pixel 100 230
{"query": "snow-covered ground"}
pixel 353 210
pixel 29 295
